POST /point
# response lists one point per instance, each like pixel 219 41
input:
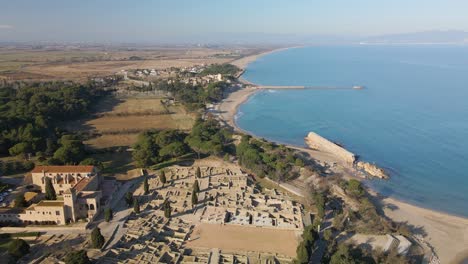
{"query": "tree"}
pixel 198 173
pixel 20 201
pixel 327 234
pixel 18 248
pixel 173 150
pixel 162 177
pixel 342 255
pixel 136 206
pixel 129 198
pixel 49 190
pixel 167 209
pixel 207 137
pixel 194 199
pixel 196 187
pixel 97 240
pixel 77 257
pixel 302 254
pixel 354 187
pixel 72 150
pixel 146 186
pixel 93 162
pixel 320 200
pixel 108 214
pixel 144 151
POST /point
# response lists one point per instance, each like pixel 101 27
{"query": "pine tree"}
pixel 162 177
pixel 198 173
pixel 49 190
pixel 146 186
pixel 97 240
pixel 167 209
pixel 108 214
pixel 136 206
pixel 196 187
pixel 129 199
pixel 194 199
pixel 302 254
pixel 20 201
pixel 18 248
pixel 77 257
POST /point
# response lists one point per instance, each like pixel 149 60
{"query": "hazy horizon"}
pixel 209 21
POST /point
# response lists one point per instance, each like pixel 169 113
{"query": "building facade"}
pixel 79 196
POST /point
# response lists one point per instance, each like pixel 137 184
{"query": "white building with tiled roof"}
pixel 79 196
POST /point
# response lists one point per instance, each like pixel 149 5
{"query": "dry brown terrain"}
pixel 231 237
pixel 80 63
pixel 119 121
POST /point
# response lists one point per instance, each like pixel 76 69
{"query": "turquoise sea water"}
pixel 412 117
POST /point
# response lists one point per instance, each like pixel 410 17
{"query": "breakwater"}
pixel 315 141
pixel 307 87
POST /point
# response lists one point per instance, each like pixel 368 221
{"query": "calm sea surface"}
pixel 412 117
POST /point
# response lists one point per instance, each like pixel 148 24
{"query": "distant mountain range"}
pixel 427 37
pixel 259 38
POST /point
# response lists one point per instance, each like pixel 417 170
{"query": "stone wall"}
pixel 318 142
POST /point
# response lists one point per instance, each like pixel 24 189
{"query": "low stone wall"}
pixel 318 142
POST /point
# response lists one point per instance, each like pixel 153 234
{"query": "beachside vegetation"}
pixel 224 69
pixel 267 159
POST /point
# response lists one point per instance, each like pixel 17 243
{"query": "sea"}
pixel 410 118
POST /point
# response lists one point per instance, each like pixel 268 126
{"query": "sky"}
pixel 156 21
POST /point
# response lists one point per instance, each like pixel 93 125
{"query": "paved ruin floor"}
pixel 231 237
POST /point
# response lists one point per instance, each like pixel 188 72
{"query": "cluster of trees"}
pixel 153 147
pixel 265 158
pixel 347 254
pixel 17 248
pixel 224 69
pixel 305 248
pixel 320 200
pixel 71 150
pixel 192 96
pixel 206 137
pixel 366 219
pixel 15 166
pixel 29 113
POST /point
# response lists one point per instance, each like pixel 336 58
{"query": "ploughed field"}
pixel 119 121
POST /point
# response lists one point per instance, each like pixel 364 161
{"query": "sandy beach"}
pixel 447 234
pixel 243 62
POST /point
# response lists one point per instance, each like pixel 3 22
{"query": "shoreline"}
pixel 446 233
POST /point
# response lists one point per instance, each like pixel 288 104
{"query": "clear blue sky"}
pixel 153 21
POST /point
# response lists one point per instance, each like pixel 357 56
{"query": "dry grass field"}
pixel 120 122
pixel 80 63
pixel 231 237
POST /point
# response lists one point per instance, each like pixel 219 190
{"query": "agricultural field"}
pixel 78 64
pixel 122 120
